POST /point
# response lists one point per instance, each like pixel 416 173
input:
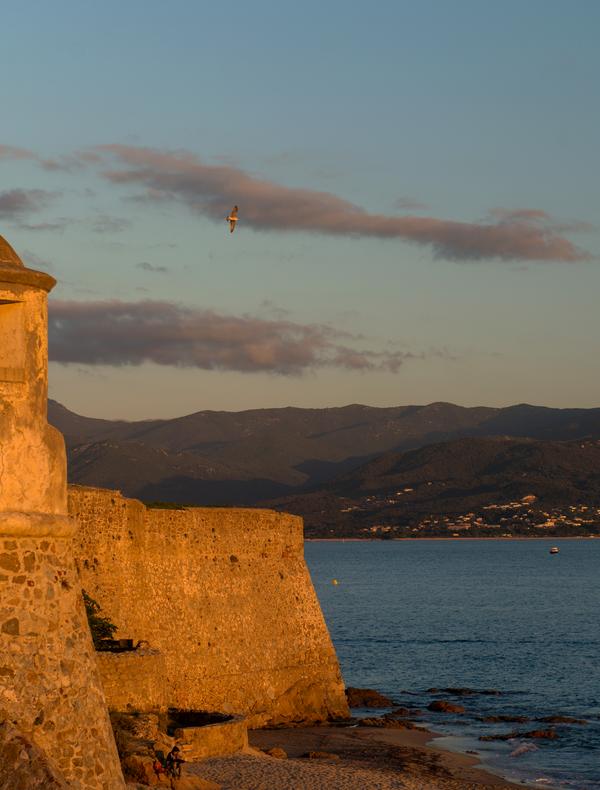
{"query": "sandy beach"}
pixel 361 758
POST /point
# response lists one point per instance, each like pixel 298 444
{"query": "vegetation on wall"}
pixel 100 626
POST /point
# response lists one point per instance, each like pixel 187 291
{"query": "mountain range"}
pixel 293 456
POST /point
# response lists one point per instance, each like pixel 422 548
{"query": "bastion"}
pixel 51 696
pixel 223 602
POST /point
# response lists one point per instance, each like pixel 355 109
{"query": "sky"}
pixel 418 200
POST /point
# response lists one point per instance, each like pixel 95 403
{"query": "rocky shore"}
pixel 345 758
pixel 388 750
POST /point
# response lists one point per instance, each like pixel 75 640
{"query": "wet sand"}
pixel 368 759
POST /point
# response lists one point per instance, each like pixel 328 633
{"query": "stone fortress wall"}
pixel 51 697
pixel 224 595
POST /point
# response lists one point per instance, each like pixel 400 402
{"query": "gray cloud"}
pixel 149 267
pixel 106 224
pixel 59 224
pixel 15 203
pixel 211 190
pixel 130 333
pixel 34 261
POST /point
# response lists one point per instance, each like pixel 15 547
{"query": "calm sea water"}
pixel 505 615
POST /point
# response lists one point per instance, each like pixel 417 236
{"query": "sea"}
pixel 505 616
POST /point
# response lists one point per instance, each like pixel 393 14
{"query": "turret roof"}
pixel 8 257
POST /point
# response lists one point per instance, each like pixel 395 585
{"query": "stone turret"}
pixel 49 686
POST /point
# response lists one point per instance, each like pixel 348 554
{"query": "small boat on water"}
pixel 554 550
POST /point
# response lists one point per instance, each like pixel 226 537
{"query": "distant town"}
pixel 520 518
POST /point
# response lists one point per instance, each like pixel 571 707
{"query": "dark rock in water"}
pixel 464 692
pixel 405 712
pixel 443 706
pixel 367 698
pixel 321 755
pixel 508 736
pixel 516 719
pixel 561 720
pixel 387 722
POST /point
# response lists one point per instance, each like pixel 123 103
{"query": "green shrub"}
pixel 100 626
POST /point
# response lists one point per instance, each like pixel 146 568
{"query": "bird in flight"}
pixel 232 218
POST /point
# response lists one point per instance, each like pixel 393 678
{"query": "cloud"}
pixel 105 224
pixel 15 203
pixel 10 152
pixel 59 224
pixel 130 333
pixel 34 261
pixel 149 267
pixel 210 190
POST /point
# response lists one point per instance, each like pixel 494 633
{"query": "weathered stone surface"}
pixel 277 752
pixel 139 768
pixel 133 680
pixel 49 683
pixel 213 740
pixel 10 626
pixel 387 722
pixel 24 766
pixel 236 637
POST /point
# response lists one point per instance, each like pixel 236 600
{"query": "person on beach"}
pixel 174 762
pixel 158 767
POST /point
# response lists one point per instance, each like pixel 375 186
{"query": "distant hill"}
pixel 230 458
pixel 470 477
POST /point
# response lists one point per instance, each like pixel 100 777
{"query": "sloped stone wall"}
pixel 225 596
pixel 24 766
pixel 49 684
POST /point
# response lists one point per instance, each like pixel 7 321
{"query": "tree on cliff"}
pixel 100 626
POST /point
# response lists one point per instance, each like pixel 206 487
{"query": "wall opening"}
pixel 12 340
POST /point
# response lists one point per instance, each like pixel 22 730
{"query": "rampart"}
pixel 223 594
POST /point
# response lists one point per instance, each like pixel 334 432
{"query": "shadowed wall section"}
pixel 223 594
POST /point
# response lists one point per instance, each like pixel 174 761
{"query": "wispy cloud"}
pixel 130 333
pixel 106 224
pixel 34 261
pixel 211 190
pixel 150 267
pixel 58 224
pixel 11 152
pixel 15 203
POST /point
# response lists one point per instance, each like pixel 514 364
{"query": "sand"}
pixel 369 759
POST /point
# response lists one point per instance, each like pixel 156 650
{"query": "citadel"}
pixel 218 602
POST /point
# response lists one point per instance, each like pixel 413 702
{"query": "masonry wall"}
pixel 133 680
pixel 49 683
pixel 223 594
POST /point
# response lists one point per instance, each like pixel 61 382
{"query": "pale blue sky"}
pixel 463 107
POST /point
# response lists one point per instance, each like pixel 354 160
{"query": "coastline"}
pixel 353 757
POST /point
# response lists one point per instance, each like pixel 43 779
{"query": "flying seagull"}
pixel 232 218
